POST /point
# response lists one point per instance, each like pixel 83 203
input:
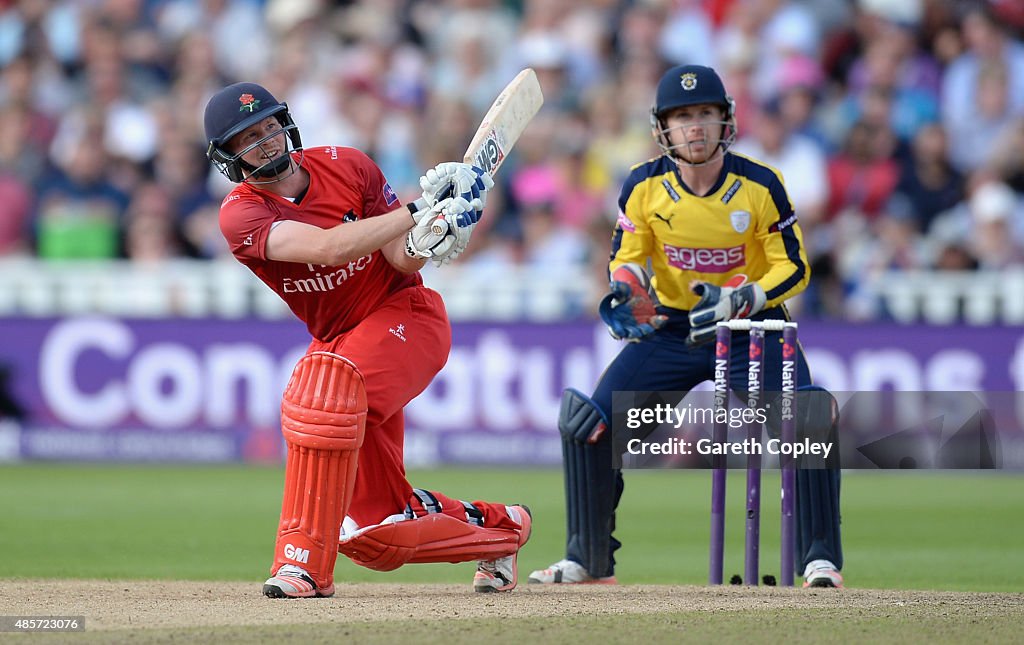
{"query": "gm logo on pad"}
pixel 297 554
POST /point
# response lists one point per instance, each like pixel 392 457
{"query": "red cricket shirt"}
pixel 344 185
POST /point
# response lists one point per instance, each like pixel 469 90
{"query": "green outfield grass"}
pixel 949 531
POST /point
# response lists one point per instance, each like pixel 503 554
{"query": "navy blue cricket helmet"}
pixel 232 110
pixel 685 85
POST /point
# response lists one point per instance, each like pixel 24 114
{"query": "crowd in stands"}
pixel 898 125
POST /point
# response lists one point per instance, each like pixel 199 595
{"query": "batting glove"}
pixel 460 236
pixel 451 179
pixel 426 238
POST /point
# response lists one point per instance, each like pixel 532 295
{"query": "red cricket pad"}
pixel 323 418
pixel 431 538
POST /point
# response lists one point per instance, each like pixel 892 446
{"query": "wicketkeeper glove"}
pixel 722 303
pixel 629 310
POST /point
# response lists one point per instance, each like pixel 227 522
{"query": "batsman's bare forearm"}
pixel 292 241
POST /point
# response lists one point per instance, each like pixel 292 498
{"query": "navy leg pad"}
pixel 589 482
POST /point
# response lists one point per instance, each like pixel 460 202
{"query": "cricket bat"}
pixel 501 126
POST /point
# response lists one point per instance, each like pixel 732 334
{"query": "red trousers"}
pixel 399 348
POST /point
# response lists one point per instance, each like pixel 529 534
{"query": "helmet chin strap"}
pixel 274 170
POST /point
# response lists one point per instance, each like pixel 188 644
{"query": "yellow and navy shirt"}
pixel 745 225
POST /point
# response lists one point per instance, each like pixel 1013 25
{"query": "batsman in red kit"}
pixel 325 231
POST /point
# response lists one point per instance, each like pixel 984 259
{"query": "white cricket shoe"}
pixel 291 581
pixel 568 572
pixel 822 573
pixel 495 575
pixel 503 574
